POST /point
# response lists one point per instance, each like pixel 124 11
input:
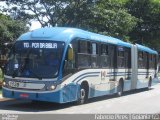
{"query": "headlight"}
pixel 52 87
pixel 4 83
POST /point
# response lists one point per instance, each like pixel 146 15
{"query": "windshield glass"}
pixel 35 59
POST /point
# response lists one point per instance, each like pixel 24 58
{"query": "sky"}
pixel 34 24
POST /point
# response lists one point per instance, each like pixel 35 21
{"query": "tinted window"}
pixel 84 54
pixel 104 56
pixel 142 60
pixel 121 58
pixel 35 59
pixel 94 55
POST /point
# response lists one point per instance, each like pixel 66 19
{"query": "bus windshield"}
pixel 35 59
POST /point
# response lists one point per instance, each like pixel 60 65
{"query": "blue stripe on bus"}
pixel 117 72
pixel 113 75
pixel 121 74
pixel 142 74
pixel 110 74
pixel 85 74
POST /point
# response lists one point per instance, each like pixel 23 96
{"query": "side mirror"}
pixel 70 53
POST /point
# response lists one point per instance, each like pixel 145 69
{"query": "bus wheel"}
pixel 150 83
pixel 120 89
pixel 83 95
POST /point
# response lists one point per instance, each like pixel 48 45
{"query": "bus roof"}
pixel 67 34
pixel 146 49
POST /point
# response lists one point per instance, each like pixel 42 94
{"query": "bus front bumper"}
pixel 39 96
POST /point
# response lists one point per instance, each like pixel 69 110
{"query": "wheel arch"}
pixel 150 78
pixel 85 84
pixel 121 80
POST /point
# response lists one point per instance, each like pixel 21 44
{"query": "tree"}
pixel 147 30
pixel 107 17
pixel 10 29
pixel 111 18
pixel 49 12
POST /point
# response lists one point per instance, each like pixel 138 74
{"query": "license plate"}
pixel 23 95
pixel 14 84
pixel 24 85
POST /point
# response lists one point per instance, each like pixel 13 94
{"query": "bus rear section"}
pixel 144 66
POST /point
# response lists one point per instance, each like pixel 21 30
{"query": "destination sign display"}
pixel 40 45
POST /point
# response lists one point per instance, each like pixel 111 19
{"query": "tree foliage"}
pixel 50 12
pixel 125 19
pixel 111 18
pixel 147 30
pixel 10 29
pixel 104 16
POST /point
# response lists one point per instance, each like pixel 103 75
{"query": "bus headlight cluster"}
pixel 52 87
pixel 4 84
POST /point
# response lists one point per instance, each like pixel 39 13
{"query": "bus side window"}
pixel 84 50
pixel 150 61
pixel 140 59
pixel 155 64
pixel 94 55
pixel 70 65
pixel 121 57
pixel 104 56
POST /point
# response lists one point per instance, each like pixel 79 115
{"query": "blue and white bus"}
pixel 68 64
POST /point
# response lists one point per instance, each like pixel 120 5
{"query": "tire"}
pixel 149 84
pixel 120 89
pixel 36 102
pixel 83 95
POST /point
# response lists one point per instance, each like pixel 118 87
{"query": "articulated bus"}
pixel 67 64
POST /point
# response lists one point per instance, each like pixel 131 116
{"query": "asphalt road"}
pixel 139 101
